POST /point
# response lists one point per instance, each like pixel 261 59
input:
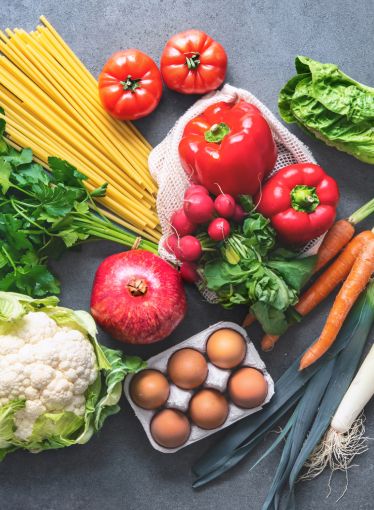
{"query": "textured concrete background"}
pixel 119 469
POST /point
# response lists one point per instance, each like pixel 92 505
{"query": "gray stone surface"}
pixel 119 469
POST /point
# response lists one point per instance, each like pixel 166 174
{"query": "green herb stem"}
pixel 362 213
pixel 42 214
pixel 115 235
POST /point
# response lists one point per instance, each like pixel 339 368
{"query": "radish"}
pixel 182 224
pixel 199 208
pixel 170 243
pixel 188 249
pixel 225 205
pixel 188 272
pixel 195 188
pixel 239 214
pixel 219 229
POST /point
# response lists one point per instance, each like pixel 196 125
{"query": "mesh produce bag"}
pixel 166 169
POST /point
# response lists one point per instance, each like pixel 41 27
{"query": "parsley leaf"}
pixel 18 158
pixel 42 214
pixel 5 171
pixel 32 173
pixel 66 173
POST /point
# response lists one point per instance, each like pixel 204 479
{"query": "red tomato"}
pixel 130 85
pixel 193 63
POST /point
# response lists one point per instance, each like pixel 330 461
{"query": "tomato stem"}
pixel 304 198
pixel 131 83
pixel 193 61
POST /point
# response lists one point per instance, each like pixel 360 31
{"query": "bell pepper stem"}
pixel 304 198
pixel 217 132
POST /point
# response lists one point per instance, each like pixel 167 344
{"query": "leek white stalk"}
pixel 358 395
pixel 345 438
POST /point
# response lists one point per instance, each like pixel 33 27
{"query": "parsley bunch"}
pixel 42 214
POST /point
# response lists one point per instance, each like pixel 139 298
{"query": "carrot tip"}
pixel 268 346
pixel 306 361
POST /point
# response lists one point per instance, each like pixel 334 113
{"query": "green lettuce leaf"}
pixel 11 308
pixel 7 427
pixel 331 106
pixel 54 430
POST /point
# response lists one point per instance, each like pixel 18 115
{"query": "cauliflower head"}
pixel 49 366
pixel 57 383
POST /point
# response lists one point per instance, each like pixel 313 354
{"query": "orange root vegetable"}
pixel 249 319
pixel 268 341
pixel 340 234
pixel 334 241
pixel 359 276
pixel 327 282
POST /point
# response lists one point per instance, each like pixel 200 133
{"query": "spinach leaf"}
pixel 246 269
pixel 259 234
pixel 273 321
pixel 246 202
pixel 296 272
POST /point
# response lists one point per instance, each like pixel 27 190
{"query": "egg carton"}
pixel 217 379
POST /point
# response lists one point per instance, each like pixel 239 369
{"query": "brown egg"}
pixel 149 389
pixel 170 428
pixel 248 387
pixel 208 409
pixel 187 368
pixel 226 348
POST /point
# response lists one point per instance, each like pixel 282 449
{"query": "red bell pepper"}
pixel 229 148
pixel 300 201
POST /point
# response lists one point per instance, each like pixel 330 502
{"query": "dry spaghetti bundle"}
pixel 52 105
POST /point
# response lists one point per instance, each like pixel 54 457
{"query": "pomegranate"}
pixel 137 297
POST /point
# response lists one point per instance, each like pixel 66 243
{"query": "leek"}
pixel 321 387
pixel 345 437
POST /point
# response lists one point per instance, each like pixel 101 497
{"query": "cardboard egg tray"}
pixel 217 379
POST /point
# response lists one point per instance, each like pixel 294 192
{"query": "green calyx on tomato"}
pixel 131 84
pixel 193 61
pixel 304 198
pixel 217 132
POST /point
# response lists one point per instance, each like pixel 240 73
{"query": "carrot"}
pixel 340 234
pixel 334 241
pixel 327 282
pixel 359 276
pixel 249 319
